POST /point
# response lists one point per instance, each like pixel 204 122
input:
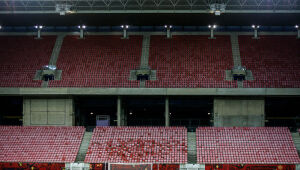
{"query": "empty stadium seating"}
pixel 39 143
pixel 98 61
pixel 190 62
pixel 273 60
pixel 20 57
pixel 138 145
pixel 245 145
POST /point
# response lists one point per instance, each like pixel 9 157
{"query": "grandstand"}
pixel 149 85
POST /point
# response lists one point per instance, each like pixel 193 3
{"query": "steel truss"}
pixel 149 6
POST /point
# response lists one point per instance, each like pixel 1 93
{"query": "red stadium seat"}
pixel 20 57
pixel 40 143
pixel 138 145
pixel 273 60
pixel 190 62
pixel 245 145
pixel 98 61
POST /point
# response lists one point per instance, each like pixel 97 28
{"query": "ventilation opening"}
pixel 48 77
pixel 143 77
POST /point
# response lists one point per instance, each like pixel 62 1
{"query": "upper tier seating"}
pixel 98 61
pixel 138 144
pixel 245 145
pixel 273 60
pixel 20 57
pixel 190 62
pixel 39 143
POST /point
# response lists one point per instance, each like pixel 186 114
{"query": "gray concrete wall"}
pixel 239 112
pixel 150 91
pixel 50 112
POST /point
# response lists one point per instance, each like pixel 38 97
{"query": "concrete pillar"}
pixel 239 112
pixel 39 33
pixel 48 112
pixel 212 33
pixel 255 33
pixel 119 111
pixel 298 35
pixel 81 33
pixel 167 112
pixel 169 32
pixel 125 34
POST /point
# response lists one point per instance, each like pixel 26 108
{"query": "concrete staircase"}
pixel 55 54
pixel 84 146
pixel 145 51
pixel 296 139
pixel 235 49
pixel 56 49
pixel 192 148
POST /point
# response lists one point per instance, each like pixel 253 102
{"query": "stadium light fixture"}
pixel 212 28
pixel 125 26
pixel 81 27
pixel 0 27
pixel 298 29
pixel 255 28
pixel 168 27
pixel 125 34
pixel 39 28
pixel 91 113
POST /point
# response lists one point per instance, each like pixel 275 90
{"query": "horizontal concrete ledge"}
pixel 153 91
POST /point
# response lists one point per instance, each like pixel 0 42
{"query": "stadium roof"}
pixel 149 6
pixel 148 12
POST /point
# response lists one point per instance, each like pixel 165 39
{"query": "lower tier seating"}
pixel 245 145
pixel 138 145
pixel 39 143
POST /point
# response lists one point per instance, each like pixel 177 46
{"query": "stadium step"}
pixel 192 148
pixel 84 146
pixel 145 51
pixel 296 139
pixel 56 49
pixel 235 49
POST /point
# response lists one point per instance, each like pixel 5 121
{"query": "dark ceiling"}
pixel 150 19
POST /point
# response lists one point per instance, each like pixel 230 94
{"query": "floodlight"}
pixel 212 26
pixel 255 26
pixel 125 26
pixel 296 26
pixel 82 27
pixel 38 26
pixel 168 26
pixel 0 27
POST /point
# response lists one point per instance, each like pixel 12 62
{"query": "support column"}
pixel 39 34
pixel 211 33
pixel 298 35
pixel 167 112
pixel 81 33
pixel 119 111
